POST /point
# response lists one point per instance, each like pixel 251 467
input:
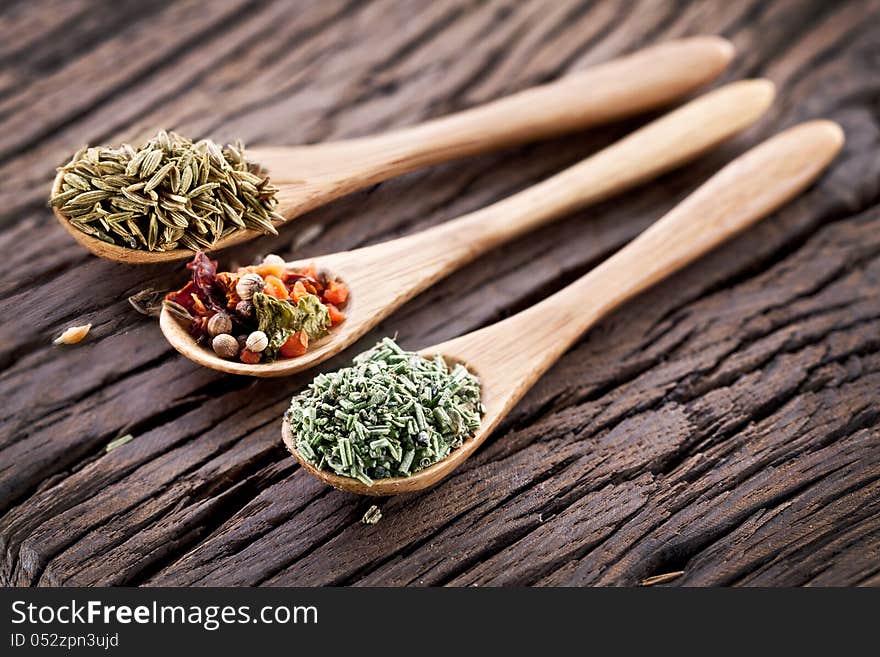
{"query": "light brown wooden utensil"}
pixel 384 276
pixel 511 355
pixel 310 176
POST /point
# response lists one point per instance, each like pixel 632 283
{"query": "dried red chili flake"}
pixel 184 296
pixel 202 297
pixel 204 270
pixel 204 274
pixel 298 291
pixel 249 357
pixel 336 293
pixel 227 281
pixel 296 345
pixel 336 315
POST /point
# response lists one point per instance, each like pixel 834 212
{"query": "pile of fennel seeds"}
pixel 169 193
pixel 390 414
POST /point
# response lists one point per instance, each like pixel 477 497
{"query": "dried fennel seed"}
pixel 390 414
pixel 169 193
pixel 372 515
pixel 148 301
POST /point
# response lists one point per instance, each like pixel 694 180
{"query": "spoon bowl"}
pixel 384 276
pixel 743 192
pixel 420 479
pixel 313 175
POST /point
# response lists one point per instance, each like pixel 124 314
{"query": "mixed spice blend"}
pixel 258 313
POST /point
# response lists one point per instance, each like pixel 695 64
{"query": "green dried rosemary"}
pixel 169 193
pixel 390 414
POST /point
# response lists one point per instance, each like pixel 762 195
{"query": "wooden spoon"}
pixel 310 176
pixel 511 355
pixel 384 276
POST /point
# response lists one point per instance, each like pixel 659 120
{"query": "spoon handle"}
pixel 746 190
pixel 668 142
pixel 620 88
pixel 743 192
pixel 412 263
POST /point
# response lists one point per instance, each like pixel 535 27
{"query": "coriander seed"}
pixel 219 323
pixel 248 285
pixel 257 342
pixel 225 346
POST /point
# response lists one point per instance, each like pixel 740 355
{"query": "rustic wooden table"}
pixel 725 424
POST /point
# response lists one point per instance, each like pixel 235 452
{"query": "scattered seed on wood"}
pixel 148 302
pixel 661 579
pixel 73 334
pixel 372 515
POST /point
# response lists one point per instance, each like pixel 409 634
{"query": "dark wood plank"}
pixel 723 424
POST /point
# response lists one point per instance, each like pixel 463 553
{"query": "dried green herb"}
pixel 390 414
pixel 312 316
pixel 280 319
pixel 169 193
pixel 372 515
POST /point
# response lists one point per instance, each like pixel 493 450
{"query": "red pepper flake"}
pixel 250 357
pixel 204 271
pixel 275 287
pixel 336 293
pixel 336 315
pixel 291 277
pixel 298 291
pixel 227 281
pixel 198 307
pixel 296 345
pixel 200 296
pixel 311 271
pixel 184 296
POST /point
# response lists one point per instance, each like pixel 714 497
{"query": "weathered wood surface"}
pixel 724 424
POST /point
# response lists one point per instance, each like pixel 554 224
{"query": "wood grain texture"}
pixel 724 424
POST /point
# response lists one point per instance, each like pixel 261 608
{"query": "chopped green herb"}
pixel 390 414
pixel 372 516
